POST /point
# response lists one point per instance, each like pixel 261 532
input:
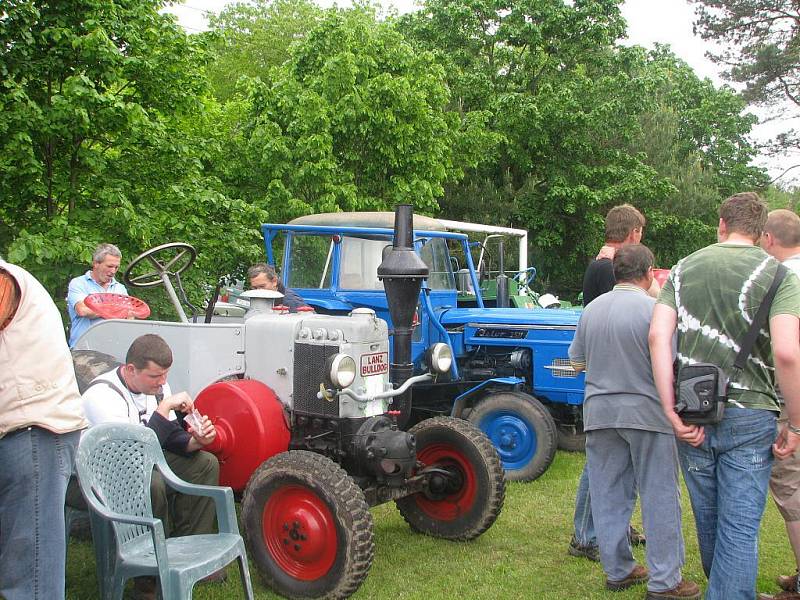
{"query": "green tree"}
pixel 760 49
pixel 354 120
pixel 98 140
pixel 249 39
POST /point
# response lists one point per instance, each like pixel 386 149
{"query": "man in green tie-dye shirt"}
pixel 710 298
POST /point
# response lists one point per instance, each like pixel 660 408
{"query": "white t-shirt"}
pixel 104 404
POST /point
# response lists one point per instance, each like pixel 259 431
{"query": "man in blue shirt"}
pixel 99 280
pixel 263 277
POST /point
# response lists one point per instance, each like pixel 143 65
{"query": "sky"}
pixel 649 22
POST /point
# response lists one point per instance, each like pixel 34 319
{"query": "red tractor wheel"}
pixel 466 487
pixel 307 526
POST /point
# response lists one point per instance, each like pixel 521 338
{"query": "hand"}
pixel 785 444
pixel 181 402
pixel 206 434
pixel 691 434
pixel 606 252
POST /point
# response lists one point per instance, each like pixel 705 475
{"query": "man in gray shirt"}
pixel 630 444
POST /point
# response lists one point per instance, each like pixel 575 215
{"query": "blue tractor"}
pixel 511 374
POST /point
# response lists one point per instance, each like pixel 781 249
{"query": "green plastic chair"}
pixel 115 463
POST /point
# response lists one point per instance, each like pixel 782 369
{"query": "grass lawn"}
pixel 522 556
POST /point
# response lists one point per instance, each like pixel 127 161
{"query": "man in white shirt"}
pixel 137 392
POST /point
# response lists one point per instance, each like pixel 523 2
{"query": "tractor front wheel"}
pixel 307 526
pixel 521 429
pixel 466 488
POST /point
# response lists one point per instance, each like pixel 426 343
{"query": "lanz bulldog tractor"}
pixel 300 402
pixel 510 374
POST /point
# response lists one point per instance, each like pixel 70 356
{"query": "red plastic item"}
pixel 305 309
pixel 251 427
pixel 116 306
pixel 661 276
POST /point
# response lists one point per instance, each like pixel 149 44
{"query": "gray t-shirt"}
pixel 611 340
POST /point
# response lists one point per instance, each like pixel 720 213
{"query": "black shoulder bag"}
pixel 701 389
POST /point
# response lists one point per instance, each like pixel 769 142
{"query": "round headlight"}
pixel 341 370
pixel 440 357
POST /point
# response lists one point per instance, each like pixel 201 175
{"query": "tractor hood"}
pixel 546 317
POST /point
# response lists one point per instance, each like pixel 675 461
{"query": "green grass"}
pixel 522 556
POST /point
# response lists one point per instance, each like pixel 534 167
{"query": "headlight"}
pixel 439 358
pixel 341 370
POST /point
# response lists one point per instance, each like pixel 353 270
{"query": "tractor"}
pixel 305 435
pixel 510 375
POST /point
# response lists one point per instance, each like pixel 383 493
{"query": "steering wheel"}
pixel 173 258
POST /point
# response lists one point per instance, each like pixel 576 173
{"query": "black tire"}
pixel 571 438
pixel 466 510
pixel 290 497
pixel 522 431
pixel 89 364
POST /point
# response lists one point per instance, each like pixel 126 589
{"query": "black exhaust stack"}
pixel 402 272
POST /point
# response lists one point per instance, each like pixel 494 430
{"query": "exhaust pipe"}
pixel 402 272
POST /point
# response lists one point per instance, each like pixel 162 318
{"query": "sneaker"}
pixel 637 576
pixel 788 582
pixel 784 595
pixel 590 551
pixel 636 537
pixel 685 589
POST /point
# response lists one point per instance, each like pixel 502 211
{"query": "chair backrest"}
pixel 115 463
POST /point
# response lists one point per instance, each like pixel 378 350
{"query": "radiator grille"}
pixel 309 372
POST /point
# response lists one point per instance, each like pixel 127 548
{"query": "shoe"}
pixel 219 576
pixel 637 576
pixel 784 595
pixel 788 582
pixel 685 589
pixel 144 588
pixel 636 537
pixel 590 551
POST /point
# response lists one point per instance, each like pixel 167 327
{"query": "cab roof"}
pixel 373 219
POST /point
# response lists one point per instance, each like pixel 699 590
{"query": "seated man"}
pixel 137 392
pixel 263 277
pixel 99 280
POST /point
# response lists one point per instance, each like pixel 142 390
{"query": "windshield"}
pixel 434 253
pixel 360 260
pixel 311 261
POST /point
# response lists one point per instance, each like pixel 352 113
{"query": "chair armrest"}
pixel 222 496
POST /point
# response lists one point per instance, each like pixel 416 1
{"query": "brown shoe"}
pixel 219 576
pixel 784 595
pixel 685 589
pixel 637 576
pixel 144 588
pixel 788 582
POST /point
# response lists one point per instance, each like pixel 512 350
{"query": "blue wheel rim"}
pixel 512 436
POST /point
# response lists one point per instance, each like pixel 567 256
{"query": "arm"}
pixel 662 327
pixel 75 297
pixel 170 433
pixel 577 354
pixel 785 334
pixel 9 298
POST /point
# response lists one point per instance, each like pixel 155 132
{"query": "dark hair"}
pixel 784 226
pixel 631 262
pixel 744 213
pixel 621 220
pixel 149 348
pixel 268 270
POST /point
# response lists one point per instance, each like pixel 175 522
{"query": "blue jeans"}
pixel 584 525
pixel 727 478
pixel 36 465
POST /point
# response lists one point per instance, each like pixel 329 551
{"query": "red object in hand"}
pixel 116 306
pixel 661 276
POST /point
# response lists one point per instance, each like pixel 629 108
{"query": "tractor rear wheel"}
pixel 307 526
pixel 466 487
pixel 521 429
pixel 89 364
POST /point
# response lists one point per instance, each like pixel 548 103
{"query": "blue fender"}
pixel 458 404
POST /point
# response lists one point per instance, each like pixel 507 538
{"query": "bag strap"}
pixel 759 319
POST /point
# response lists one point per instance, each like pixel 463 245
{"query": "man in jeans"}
pixel 781 239
pixel 40 421
pixel 624 225
pixel 711 297
pixel 630 445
